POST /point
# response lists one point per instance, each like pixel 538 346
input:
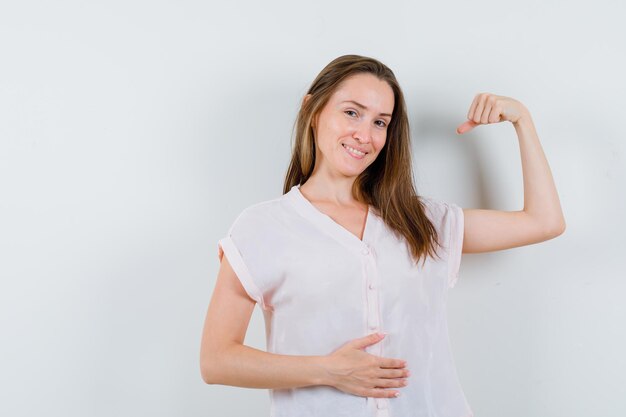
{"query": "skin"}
pixel 225 360
pixel 343 120
pixel 541 217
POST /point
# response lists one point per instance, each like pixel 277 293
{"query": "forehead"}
pixel 368 90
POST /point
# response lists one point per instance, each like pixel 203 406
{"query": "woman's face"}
pixel 357 115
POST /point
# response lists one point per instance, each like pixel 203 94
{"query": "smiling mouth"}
pixel 354 152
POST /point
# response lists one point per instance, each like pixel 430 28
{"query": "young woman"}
pixel 350 251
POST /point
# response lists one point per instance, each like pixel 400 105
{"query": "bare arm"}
pixel 244 366
pixel 542 217
pixel 225 360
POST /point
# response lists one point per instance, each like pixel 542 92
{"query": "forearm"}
pixel 244 366
pixel 541 199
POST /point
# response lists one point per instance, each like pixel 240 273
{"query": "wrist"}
pixel 321 374
pixel 523 120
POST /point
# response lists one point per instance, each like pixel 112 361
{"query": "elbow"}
pixel 206 373
pixel 214 362
pixel 556 229
pixel 562 227
pixel 208 369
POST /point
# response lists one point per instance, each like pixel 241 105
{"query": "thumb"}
pixel 466 127
pixel 370 339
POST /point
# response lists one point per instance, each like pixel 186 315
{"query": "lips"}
pixel 356 147
pixel 353 155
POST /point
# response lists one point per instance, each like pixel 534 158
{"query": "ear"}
pixel 306 98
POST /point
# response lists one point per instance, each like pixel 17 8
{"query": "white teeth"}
pixel 354 151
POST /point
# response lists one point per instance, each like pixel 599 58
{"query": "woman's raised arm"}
pixel 541 218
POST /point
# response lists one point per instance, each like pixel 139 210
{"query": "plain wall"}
pixel 133 132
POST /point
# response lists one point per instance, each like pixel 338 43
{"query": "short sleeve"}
pixel 456 231
pixel 448 219
pixel 242 247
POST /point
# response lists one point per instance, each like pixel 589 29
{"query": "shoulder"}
pixel 439 210
pixel 433 205
pixel 259 216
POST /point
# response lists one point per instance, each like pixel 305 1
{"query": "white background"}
pixel 133 132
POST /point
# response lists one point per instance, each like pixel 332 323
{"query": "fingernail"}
pixel 397 394
pixel 382 334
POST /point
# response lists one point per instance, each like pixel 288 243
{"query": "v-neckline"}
pixel 325 222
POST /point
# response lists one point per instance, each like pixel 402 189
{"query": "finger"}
pixel 381 393
pixel 367 340
pixel 503 115
pixel 494 117
pixel 390 383
pixel 465 127
pixel 479 109
pixel 391 363
pixel 470 113
pixel 484 118
pixel 393 373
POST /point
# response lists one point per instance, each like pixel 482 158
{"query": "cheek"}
pixel 381 140
pixel 333 131
pixel 335 125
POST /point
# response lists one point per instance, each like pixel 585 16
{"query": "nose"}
pixel 362 133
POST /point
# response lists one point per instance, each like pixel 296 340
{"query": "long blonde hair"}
pixel 387 183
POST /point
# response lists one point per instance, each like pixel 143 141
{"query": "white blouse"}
pixel 319 287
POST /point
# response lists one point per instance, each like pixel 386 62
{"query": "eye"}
pixel 350 111
pixel 383 124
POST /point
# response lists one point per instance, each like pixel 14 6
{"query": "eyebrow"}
pixel 363 107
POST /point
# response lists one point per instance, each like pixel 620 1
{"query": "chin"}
pixel 352 172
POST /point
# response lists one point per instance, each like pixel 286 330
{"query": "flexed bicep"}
pixel 493 230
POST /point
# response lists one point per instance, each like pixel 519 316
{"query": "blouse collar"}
pixel 331 227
